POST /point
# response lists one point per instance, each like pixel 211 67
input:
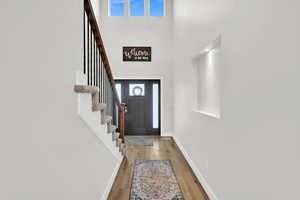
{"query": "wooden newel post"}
pixel 122 122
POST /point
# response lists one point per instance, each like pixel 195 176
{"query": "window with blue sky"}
pixel 117 7
pixel 154 8
pixel 137 8
pixel 157 8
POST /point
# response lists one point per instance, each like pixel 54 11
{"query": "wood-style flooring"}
pixel 164 148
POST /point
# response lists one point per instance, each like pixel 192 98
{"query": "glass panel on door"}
pixel 155 106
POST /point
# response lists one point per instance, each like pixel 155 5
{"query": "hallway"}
pixel 164 148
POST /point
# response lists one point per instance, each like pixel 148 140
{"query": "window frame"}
pixel 127 9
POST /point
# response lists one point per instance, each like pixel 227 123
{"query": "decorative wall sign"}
pixel 137 54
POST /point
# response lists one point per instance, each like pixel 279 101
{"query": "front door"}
pixel 142 99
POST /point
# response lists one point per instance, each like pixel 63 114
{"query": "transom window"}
pixel 153 8
pixel 117 7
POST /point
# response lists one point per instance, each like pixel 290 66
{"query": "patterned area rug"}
pixel 139 141
pixel 154 180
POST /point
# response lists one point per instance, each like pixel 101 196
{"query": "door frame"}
pixel 162 97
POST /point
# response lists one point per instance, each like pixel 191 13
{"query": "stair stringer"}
pixel 93 119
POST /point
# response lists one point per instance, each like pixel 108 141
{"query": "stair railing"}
pixel 98 70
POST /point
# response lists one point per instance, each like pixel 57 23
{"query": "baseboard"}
pixel 197 172
pixel 167 134
pixel 111 180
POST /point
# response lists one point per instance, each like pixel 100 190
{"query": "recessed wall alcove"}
pixel 207 66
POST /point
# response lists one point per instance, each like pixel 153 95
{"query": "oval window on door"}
pixel 136 89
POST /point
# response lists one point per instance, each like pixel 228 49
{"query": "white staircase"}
pixel 99 123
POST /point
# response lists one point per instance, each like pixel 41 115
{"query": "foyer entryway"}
pixel 142 99
pixel 164 149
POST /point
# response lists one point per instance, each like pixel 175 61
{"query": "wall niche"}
pixel 207 66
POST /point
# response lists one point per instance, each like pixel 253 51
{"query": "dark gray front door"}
pixel 142 99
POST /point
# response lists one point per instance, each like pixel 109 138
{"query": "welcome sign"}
pixel 137 54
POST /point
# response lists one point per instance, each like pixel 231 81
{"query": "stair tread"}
pixel 116 135
pixel 123 151
pixel 119 142
pixel 99 107
pixel 86 89
pixel 105 118
pixel 121 147
pixel 113 128
pixel 108 117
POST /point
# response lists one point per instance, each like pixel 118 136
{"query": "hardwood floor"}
pixel 164 148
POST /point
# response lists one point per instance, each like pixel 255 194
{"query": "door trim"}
pixel 162 96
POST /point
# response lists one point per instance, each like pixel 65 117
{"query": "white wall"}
pixel 46 151
pixel 252 152
pixel 141 31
